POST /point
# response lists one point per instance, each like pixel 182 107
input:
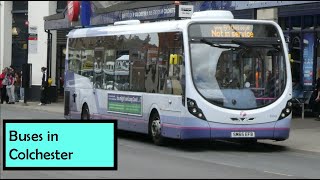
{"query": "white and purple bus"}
pixel 208 77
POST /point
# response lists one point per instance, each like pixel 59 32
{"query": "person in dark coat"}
pixel 44 86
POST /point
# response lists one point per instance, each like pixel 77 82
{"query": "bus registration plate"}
pixel 242 134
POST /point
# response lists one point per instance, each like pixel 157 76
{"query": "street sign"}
pixel 185 11
pixel 33 40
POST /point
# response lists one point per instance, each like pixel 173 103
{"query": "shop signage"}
pixel 158 12
pixel 308 45
pixel 73 10
pixel 185 11
pixel 33 40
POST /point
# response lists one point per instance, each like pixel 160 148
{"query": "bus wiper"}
pixel 241 43
pixel 203 40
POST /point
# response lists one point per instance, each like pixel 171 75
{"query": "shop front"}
pixel 301 26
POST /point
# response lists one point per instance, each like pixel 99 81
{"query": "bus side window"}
pixel 98 75
pixel 122 70
pixel 175 81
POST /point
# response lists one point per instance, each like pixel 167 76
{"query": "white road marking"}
pixel 277 173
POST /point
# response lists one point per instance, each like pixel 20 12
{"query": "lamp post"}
pixel 176 3
pixel 26 88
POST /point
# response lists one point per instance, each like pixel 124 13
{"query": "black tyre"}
pixel 85 114
pixel 155 129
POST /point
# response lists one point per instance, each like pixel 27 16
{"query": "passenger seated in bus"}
pixel 234 83
pixel 269 84
pixel 274 84
pixel 249 77
pixel 220 78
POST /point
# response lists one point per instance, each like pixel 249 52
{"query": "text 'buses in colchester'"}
pixel 208 77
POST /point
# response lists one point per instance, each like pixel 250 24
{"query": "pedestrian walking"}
pixel 4 83
pixel 17 84
pixel 10 86
pixel 21 88
pixel 44 85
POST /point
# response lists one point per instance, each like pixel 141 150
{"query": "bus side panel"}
pixel 87 96
pixel 169 109
pixel 70 83
pixel 101 99
pixel 178 123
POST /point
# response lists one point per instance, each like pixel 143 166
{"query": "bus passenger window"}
pixel 122 71
pixel 98 75
pixel 108 69
pixel 87 64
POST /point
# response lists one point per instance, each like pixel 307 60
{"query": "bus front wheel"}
pixel 85 115
pixel 155 129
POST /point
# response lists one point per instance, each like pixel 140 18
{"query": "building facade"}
pixel 37 30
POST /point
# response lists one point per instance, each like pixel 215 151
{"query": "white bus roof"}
pixel 164 26
pixel 167 26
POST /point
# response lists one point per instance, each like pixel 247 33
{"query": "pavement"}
pixel 57 107
pixel 304 134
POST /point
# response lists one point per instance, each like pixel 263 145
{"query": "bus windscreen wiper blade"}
pixel 241 43
pixel 215 45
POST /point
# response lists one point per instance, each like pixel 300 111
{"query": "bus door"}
pixel 174 88
pixel 74 101
pixel 74 94
pixel 99 96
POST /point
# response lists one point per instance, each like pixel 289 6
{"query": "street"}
pixel 139 158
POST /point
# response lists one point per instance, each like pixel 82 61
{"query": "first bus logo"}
pixel 243 114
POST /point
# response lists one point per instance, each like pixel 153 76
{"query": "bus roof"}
pixel 164 26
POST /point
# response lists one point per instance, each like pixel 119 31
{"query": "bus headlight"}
pixel 194 109
pixel 286 111
pixel 191 103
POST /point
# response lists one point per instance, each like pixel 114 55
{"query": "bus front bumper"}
pixel 278 130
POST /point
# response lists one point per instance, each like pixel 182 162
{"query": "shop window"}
pixel 296 56
pixel 318 21
pixel 19 5
pixel 296 22
pixel 318 57
pixel 61 5
pixel 284 23
pixel 308 22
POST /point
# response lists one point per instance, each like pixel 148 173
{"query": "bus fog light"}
pixel 194 110
pixel 283 115
pixel 191 103
pixel 287 110
pixel 200 115
pixel 289 104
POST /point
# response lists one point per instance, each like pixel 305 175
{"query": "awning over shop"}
pixel 151 10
